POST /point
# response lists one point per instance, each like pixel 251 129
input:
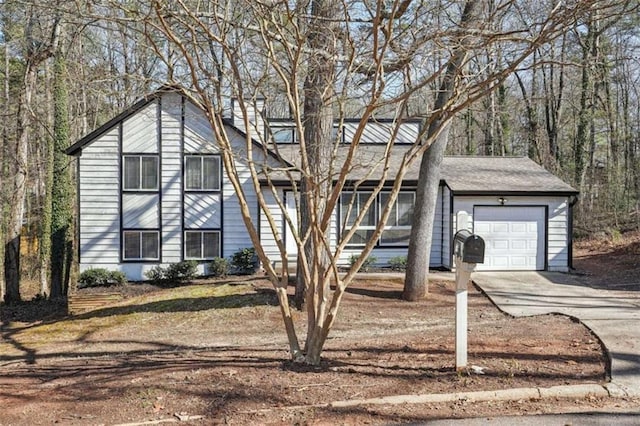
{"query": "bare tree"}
pixel 548 23
pixel 41 35
pixel 416 281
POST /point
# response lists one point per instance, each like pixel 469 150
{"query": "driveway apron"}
pixel 614 316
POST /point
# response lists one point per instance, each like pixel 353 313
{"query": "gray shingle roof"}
pixel 500 174
pixel 473 174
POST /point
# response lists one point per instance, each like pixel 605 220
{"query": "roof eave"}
pixel 513 193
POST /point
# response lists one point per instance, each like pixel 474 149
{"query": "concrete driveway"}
pixel 614 316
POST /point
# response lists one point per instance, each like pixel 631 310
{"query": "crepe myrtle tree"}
pixel 322 61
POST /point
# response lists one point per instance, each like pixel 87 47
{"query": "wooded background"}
pixel 574 108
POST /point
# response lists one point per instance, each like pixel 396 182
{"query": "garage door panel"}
pixel 500 227
pixel 514 237
pixel 519 245
pixel 483 227
pixel 500 244
pixel 519 227
pixel 500 262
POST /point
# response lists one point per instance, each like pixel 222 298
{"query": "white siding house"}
pixel 152 191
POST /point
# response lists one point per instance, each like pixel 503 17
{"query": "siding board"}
pixel 171 177
pixel 202 211
pixel 198 135
pixel 99 234
pixel 140 131
pixel 140 211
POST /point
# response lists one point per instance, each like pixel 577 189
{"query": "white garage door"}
pixel 514 237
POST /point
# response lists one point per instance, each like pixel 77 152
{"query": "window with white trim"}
pixel 201 245
pixel 140 173
pixel 351 206
pixel 141 245
pixel 398 227
pixel 202 173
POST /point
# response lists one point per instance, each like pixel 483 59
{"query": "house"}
pixel 151 190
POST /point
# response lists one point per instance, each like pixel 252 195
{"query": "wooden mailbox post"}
pixel 468 250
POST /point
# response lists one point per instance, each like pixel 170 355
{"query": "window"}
pixel 202 173
pixel 283 134
pixel 140 173
pixel 398 227
pixel 140 245
pixel 201 244
pixel 351 206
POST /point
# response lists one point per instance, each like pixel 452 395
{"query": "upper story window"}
pixel 140 173
pixel 202 173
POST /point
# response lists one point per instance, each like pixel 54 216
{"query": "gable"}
pixel 76 148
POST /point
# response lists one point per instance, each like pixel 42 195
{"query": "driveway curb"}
pixel 515 394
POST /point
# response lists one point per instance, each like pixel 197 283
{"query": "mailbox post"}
pixel 468 250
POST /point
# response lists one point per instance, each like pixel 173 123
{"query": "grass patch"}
pixel 189 304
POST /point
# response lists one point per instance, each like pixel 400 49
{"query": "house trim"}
pixel 160 191
pixel 79 218
pixel 182 174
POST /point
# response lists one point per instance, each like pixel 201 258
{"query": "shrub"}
pixel 244 261
pixel 183 271
pixel 118 278
pixel 174 274
pixel 398 263
pixel 101 277
pixel 219 267
pixel 156 274
pixel 366 265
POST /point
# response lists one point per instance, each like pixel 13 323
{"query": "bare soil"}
pixel 215 352
pixel 610 261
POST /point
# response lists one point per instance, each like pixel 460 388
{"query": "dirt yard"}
pixel 215 352
pixel 610 262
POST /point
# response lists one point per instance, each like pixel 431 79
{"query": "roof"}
pixel 462 174
pixel 76 148
pixel 500 174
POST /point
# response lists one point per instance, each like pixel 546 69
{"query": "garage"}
pixel 514 237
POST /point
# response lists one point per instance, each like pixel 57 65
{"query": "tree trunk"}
pixel 4 175
pixel 62 188
pixel 317 145
pixel 416 285
pixel 18 192
pixel 318 123
pixel 585 114
pixel 531 117
pixel 46 176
